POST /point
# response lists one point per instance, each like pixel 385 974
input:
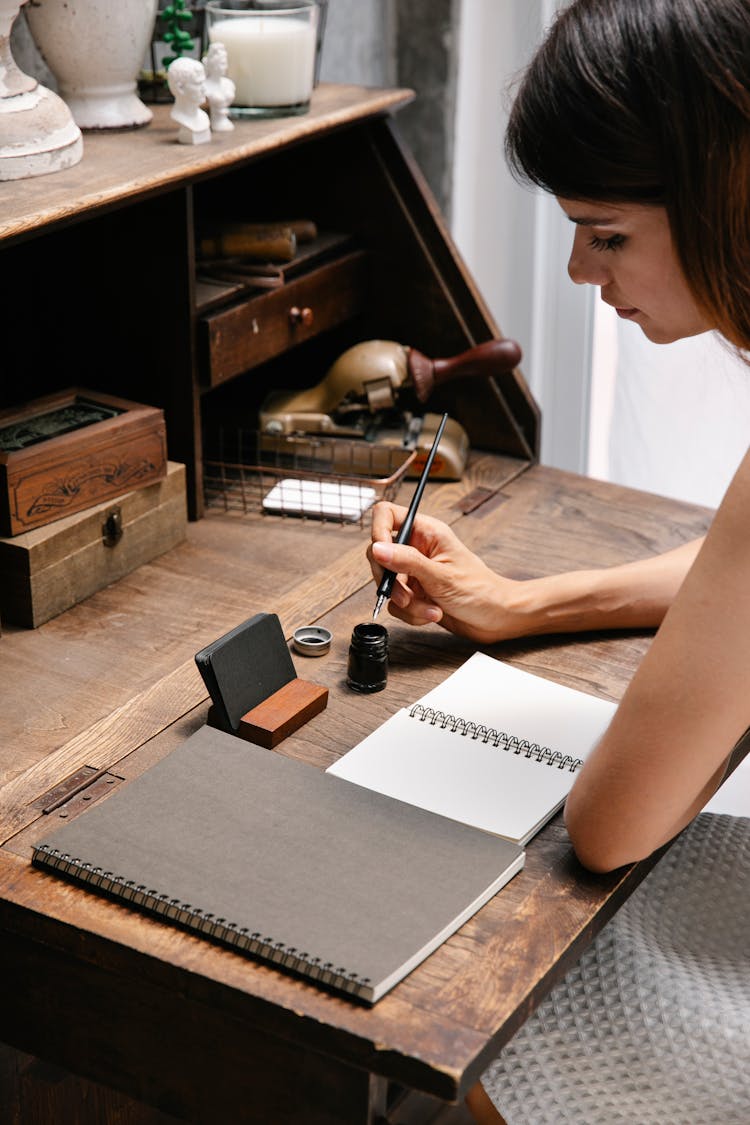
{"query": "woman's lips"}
pixel 626 314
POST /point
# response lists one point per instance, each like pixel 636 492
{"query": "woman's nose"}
pixel 585 265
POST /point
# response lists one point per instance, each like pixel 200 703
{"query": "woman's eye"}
pixel 614 242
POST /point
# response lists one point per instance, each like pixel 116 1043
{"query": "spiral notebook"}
pixel 282 861
pixel 492 746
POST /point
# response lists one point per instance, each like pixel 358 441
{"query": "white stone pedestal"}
pixel 37 131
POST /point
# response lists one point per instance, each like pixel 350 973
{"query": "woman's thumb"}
pixel 402 559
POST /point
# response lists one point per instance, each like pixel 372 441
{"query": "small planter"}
pixel 152 83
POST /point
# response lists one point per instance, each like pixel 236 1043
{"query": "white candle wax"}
pixel 270 59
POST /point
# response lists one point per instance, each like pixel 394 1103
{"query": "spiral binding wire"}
pixel 202 922
pixel 500 739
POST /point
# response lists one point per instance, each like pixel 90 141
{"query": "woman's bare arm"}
pixel 667 747
pixel 441 580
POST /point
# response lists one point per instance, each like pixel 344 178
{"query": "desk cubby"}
pixel 239 337
pixel 105 287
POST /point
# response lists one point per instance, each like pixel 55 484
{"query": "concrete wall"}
pixel 427 37
pixel 359 42
pixel 411 43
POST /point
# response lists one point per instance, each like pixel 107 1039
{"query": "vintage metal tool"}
pixel 375 393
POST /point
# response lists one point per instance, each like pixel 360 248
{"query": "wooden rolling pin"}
pixel 261 242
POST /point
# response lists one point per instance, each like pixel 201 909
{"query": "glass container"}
pixel 271 52
pixel 368 658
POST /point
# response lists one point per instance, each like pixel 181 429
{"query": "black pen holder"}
pixel 368 658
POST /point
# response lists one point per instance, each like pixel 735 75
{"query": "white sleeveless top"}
pixel 652 1027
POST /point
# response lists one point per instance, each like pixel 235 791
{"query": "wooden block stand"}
pixel 281 714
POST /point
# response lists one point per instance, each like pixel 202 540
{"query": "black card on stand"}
pixel 245 666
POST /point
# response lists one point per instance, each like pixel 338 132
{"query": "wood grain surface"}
pixel 438 1028
pixel 152 160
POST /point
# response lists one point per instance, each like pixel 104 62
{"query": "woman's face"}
pixel 627 250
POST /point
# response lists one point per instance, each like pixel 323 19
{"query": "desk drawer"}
pixel 236 339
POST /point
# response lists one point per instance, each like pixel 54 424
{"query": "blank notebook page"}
pixel 472 779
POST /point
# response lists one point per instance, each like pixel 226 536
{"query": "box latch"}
pixel 112 528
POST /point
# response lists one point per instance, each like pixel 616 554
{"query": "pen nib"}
pixel 378 606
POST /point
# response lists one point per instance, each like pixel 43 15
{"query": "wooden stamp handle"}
pixel 495 357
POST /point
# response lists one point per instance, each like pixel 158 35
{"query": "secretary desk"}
pixel 108 1016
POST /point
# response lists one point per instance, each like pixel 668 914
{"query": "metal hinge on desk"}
pixel 75 792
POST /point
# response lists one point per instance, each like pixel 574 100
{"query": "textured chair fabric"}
pixel 652 1027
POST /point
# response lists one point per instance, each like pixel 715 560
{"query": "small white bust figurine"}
pixel 186 79
pixel 219 88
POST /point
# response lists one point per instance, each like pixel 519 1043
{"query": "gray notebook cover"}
pixel 285 862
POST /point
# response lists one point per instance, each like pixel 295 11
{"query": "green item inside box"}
pixel 52 423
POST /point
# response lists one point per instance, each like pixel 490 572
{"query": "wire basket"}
pixel 328 479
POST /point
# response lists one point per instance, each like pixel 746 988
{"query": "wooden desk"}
pixel 200 1033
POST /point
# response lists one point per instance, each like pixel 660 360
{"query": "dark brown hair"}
pixel 648 101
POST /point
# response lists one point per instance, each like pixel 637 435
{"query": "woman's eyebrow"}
pixel 586 221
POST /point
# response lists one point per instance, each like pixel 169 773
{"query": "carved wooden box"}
pixel 68 451
pixel 49 569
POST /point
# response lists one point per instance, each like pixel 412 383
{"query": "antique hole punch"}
pixel 373 397
pixel 330 451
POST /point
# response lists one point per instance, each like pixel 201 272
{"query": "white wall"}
pixel 671 419
pixel 516 241
pixel 680 419
pixel 493 220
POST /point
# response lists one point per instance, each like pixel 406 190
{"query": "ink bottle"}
pixel 368 658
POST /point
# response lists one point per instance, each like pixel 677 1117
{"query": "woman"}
pixel 635 114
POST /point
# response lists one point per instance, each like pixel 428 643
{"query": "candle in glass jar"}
pixel 270 60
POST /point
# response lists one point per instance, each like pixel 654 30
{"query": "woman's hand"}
pixel 440 580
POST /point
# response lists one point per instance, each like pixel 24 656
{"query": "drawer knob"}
pixel 300 316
